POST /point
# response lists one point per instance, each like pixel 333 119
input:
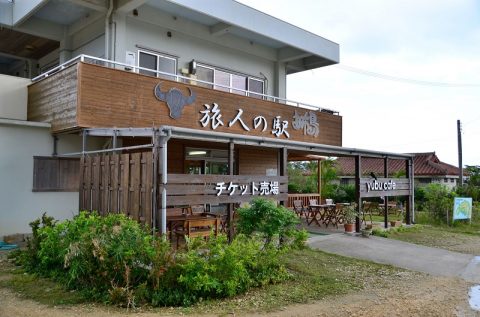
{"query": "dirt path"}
pixel 409 295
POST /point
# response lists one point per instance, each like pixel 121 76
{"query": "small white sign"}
pixel 271 172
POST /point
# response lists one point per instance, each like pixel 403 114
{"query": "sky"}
pixel 408 71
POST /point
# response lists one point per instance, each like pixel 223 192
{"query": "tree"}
pixel 474 174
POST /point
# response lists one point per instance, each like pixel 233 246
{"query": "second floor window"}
pixel 229 81
pixel 157 62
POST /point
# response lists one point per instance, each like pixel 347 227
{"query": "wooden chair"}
pixel 298 208
pixel 309 212
pixel 193 228
pixel 367 210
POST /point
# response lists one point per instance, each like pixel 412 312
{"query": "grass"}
pixel 461 236
pixel 315 275
pixel 39 289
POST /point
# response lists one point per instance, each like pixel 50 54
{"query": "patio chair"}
pixel 298 208
pixel 309 212
pixel 367 210
pixel 329 201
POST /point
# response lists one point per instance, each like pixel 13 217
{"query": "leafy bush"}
pixel 469 190
pixel 438 201
pixel 115 260
pixel 270 221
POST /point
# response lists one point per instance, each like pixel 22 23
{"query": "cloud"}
pixel 434 41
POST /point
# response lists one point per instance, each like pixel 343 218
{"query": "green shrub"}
pixel 218 269
pixel 438 201
pixel 270 221
pixel 115 260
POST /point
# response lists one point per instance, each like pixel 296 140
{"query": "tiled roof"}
pixel 425 164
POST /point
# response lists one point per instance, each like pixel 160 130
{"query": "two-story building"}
pixel 142 106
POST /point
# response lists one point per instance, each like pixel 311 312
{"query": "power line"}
pixel 405 80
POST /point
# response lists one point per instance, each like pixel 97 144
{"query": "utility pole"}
pixel 460 164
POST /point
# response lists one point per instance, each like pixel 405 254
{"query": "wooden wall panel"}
pixel 255 161
pixel 54 100
pixel 115 98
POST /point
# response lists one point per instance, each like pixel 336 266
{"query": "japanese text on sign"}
pixel 262 188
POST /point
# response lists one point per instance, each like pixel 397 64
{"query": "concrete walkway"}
pixel 401 254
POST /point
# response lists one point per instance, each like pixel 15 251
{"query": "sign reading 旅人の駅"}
pixel 370 187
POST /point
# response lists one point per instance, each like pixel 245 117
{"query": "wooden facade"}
pixel 88 96
pixel 124 183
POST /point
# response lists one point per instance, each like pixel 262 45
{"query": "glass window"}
pixel 239 82
pixel 147 61
pixel 222 78
pixel 255 86
pixel 167 65
pixel 157 62
pixel 205 74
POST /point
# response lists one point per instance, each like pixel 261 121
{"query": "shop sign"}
pixel 263 188
pixel 381 186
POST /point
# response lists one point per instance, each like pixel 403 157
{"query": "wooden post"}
pixel 409 175
pixel 155 182
pixel 283 167
pixel 319 181
pixel 358 198
pixel 385 172
pixel 231 171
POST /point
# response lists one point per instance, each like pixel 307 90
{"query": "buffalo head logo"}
pixel 175 100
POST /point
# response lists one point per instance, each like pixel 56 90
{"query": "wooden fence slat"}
pixel 135 165
pixel 214 200
pixel 105 178
pixel 192 179
pixel 96 184
pixel 114 174
pixel 124 183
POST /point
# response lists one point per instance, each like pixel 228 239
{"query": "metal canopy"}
pixel 193 134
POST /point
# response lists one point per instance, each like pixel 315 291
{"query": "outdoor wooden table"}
pixel 178 220
pixel 330 214
pixel 317 213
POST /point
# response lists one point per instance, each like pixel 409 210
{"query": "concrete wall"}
pixel 90 40
pixel 19 205
pixel 19 142
pixel 13 97
pixel 191 40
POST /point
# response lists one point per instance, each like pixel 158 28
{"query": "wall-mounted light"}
pixel 197 152
pixel 192 67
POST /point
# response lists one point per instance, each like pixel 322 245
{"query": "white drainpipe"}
pixel 107 30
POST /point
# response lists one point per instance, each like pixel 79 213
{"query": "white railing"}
pixel 112 64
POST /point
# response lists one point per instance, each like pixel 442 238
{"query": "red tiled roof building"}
pixel 427 169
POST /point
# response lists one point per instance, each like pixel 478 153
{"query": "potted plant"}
pixel 399 220
pixel 350 216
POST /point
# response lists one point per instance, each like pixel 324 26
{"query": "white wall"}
pixel 199 45
pixel 19 143
pixel 18 204
pixel 90 40
pixel 13 97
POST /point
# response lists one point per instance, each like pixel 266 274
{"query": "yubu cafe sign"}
pixel 376 185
